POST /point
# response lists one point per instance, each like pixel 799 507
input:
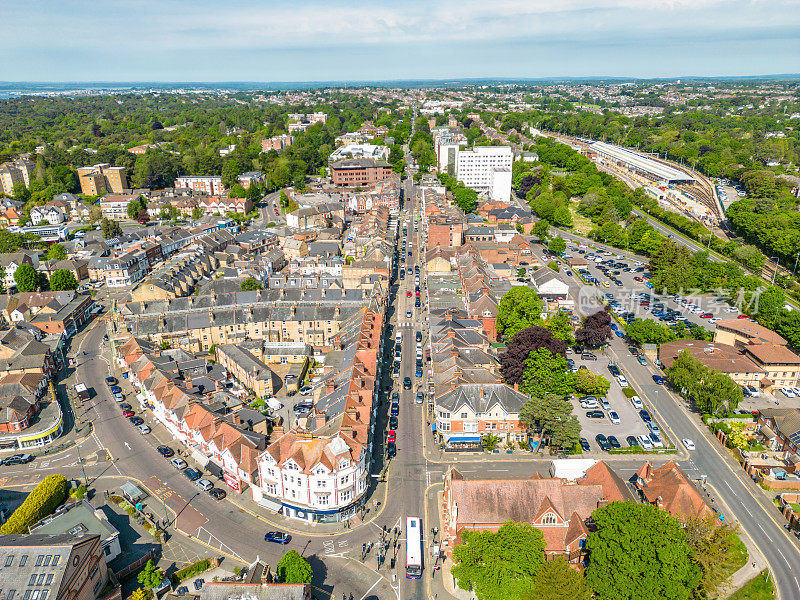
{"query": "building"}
pixel 11 261
pixel 277 143
pixel 720 357
pixel 446 143
pixel 20 394
pixel 638 163
pixel 56 567
pixel 47 214
pixel 370 151
pixel 486 169
pixel 207 184
pixel 740 332
pixel 253 591
pixel 359 172
pixel 101 179
pixel 12 173
pixel 561 509
pixel 80 518
pixel 115 206
pixel 467 413
pixel 249 178
pixel 780 427
pixel 669 488
pixel 549 285
pixel 249 370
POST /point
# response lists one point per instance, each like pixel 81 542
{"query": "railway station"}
pixel 640 164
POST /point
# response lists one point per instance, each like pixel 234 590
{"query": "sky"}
pixel 312 40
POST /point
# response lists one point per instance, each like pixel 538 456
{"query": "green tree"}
pixel 592 384
pixel 560 326
pixel 134 207
pixel 499 565
pixel 648 331
pixel 769 303
pixel 293 568
pixel 150 577
pixel 250 284
pixel 541 229
pixel 718 394
pixel 552 416
pixel 557 580
pixel 63 280
pixel 230 172
pixel 26 278
pixel 56 252
pixel 111 229
pixel 639 551
pixel 557 245
pixel 139 594
pixel 237 191
pixel 519 308
pixel 546 373
pixel 562 216
pixel 197 212
pixel 713 549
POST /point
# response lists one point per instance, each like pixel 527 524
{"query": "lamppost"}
pixel 795 263
pixel 774 272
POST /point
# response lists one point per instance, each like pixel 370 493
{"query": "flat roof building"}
pixel 647 167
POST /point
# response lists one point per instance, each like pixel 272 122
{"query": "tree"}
pixel 562 216
pixel 541 229
pixel 718 393
pixel 499 565
pixel 552 415
pixel 591 384
pixel 150 577
pixel 293 568
pixel 712 548
pixel 140 594
pixel 230 172
pixel 639 551
pixel 26 278
pixel 134 207
pixel 546 373
pixel 197 212
pixel 512 361
pixel 143 216
pixel 557 580
pixel 648 331
pixel 40 503
pixel 237 191
pixel 95 214
pixel 250 284
pixel 63 280
pixel 787 324
pixel 769 301
pixel 519 309
pixel 111 229
pixel 56 252
pixel 557 245
pixel 560 326
pixel 596 329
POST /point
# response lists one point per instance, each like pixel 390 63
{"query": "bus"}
pixel 413 547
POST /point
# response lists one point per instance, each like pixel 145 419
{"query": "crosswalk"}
pixel 407 324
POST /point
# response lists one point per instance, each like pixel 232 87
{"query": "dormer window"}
pixel 549 519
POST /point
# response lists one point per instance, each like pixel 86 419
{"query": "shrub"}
pixel 553 265
pixel 629 392
pixel 41 502
pixel 193 569
pixel 79 492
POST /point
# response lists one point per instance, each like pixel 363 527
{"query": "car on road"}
pixel 688 443
pixel 111 381
pixel 408 294
pixel 645 442
pixel 595 414
pixel 406 383
pixel 632 441
pixel 408 314
pixel 277 537
pixel 393 423
pixel 418 372
pixel 391 449
pixel 178 463
pixel 614 417
pixel 136 421
pixel 119 397
pixel 614 442
pixel 585 445
pixel 602 441
pixel 658 379
pixel 182 591
pixel 127 413
pixel 115 389
pixel 217 494
pixel 165 451
pixel 642 360
pixel 17 459
pixel 192 474
pixel 204 484
pixel 143 429
pixel 419 336
pixel 420 398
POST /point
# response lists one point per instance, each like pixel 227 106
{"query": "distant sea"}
pixel 9 89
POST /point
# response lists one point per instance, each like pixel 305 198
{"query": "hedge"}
pixel 41 502
pixel 195 568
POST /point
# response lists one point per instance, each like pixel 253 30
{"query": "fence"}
pixel 137 564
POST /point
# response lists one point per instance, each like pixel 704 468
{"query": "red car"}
pixel 408 294
pixel 743 317
pixel 638 279
pixel 391 436
pixel 127 413
pixel 706 316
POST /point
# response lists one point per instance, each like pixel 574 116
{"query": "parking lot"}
pixel 630 421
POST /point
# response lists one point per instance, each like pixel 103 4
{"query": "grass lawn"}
pixel 758 588
pixel 737 557
pixel 581 224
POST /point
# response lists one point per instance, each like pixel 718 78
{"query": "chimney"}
pixel 330 386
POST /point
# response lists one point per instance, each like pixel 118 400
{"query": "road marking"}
pixel 497 470
pixel 126 445
pixel 371 588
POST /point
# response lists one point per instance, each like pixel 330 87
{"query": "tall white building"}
pixel 446 143
pixel 486 169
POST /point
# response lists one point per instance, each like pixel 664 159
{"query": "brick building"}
pixel 359 171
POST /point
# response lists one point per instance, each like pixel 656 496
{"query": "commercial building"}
pixel 102 178
pixel 359 151
pixel 207 184
pixel 486 169
pixel 359 171
pixel 80 517
pixel 55 567
pixel 446 144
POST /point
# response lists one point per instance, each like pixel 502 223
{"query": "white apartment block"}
pixel 446 143
pixel 208 184
pixel 486 169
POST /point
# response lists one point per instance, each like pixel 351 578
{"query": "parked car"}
pixel 645 416
pixel 198 584
pixel 127 413
pixel 585 445
pixel 277 537
pixel 393 423
pixel 602 441
pixel 165 451
pixel 391 436
pixel 136 421
pixel 178 463
pixel 192 474
pixel 637 403
pixel 645 442
pixel 632 441
pixel 391 450
pixel 656 441
pixel 595 414
pixel 614 442
pixel 111 381
pixel 420 398
pixel 115 389
pixel 642 360
pixel 788 392
pixel 217 494
pixel 658 379
pixel 119 397
pixel 204 484
pixel 394 410
pixel 125 406
pixel 143 429
pixel 17 459
pixel 614 417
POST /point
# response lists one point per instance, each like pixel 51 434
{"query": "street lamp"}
pixel 775 271
pixel 795 263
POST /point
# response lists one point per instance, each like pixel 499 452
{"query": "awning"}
pixel 464 439
pixel 270 504
pixel 214 469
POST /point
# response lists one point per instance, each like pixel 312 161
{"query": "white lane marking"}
pixel 126 445
pixel 371 587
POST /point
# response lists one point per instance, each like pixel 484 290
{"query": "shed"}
pixel 132 493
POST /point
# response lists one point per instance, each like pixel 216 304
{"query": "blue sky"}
pixel 310 40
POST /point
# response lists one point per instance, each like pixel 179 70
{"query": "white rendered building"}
pixel 486 169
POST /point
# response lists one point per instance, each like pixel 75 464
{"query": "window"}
pixel 41 579
pixel 324 500
pixel 47 559
pixel 43 596
pixel 26 595
pixel 321 483
pixel 11 594
pixel 33 579
pixel 23 559
pixel 93 574
pixel 549 519
pixel 463 415
pixel 10 560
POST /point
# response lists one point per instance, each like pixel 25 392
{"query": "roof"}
pixel 767 354
pixel 669 488
pixel 254 591
pixel 359 163
pixel 77 517
pixel 481 397
pixel 57 547
pixel 720 357
pixel 749 329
